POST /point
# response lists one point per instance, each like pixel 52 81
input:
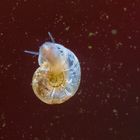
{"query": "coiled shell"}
pixel 58 77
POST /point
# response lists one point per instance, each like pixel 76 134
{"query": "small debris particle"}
pixel 91 34
pixel 114 31
pixel 67 28
pixel 137 99
pixel 90 47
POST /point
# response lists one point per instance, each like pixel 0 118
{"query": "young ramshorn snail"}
pixel 58 77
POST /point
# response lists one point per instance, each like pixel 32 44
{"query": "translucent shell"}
pixel 58 77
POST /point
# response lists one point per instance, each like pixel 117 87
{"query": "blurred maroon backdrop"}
pixel 105 36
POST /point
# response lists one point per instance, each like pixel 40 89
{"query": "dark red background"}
pixel 105 36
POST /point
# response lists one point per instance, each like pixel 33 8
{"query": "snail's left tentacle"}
pixel 31 52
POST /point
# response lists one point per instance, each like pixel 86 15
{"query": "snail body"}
pixel 58 77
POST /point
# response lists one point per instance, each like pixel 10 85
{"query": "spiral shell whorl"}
pixel 58 77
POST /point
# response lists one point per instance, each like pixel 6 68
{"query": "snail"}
pixel 59 74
